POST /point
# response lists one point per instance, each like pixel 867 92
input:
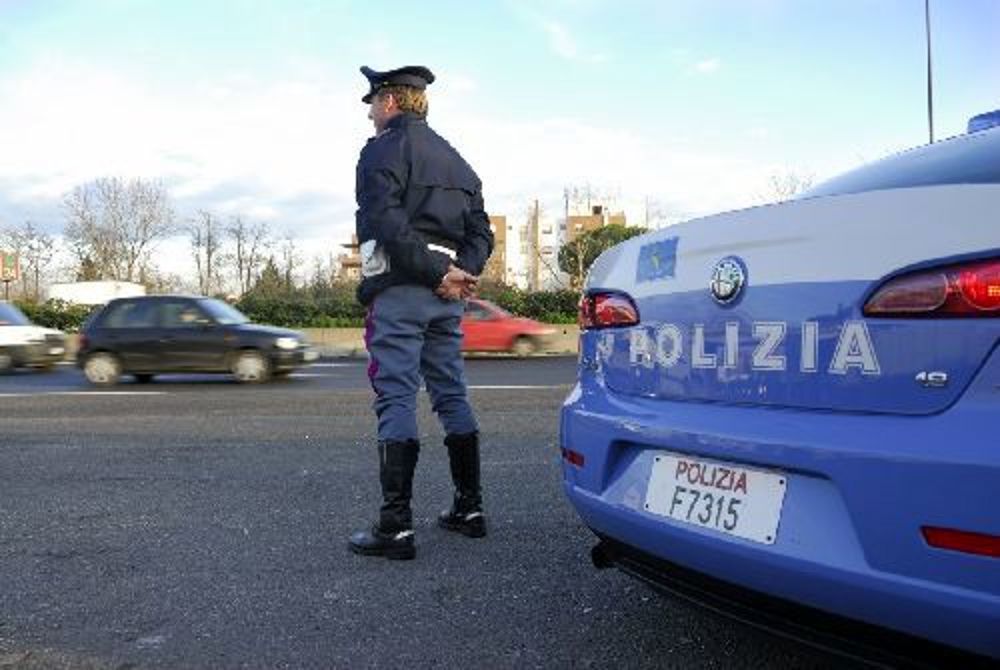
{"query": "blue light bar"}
pixel 984 121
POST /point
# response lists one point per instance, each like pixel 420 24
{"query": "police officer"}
pixel 424 239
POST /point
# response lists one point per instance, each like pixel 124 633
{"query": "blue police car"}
pixel 788 412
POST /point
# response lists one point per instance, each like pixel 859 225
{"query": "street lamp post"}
pixel 930 81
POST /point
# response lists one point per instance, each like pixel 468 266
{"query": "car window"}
pixel 131 314
pixel 12 316
pixel 183 314
pixel 222 312
pixel 476 312
pixel 499 312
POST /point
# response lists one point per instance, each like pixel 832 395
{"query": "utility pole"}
pixel 930 81
pixel 535 281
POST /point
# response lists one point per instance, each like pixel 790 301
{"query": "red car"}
pixel 491 328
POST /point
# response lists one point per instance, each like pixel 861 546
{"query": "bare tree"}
pixel 539 265
pixel 250 243
pixel 206 242
pixel 34 249
pixel 112 225
pixel 785 186
pixel 290 259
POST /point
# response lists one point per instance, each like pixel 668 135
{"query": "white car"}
pixel 23 344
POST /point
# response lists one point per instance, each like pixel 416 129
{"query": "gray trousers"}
pixel 411 334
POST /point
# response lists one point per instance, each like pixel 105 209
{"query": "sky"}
pixel 253 108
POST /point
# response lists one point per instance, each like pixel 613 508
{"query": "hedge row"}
pixel 331 308
pixel 305 309
pixel 544 306
pixel 57 314
pixel 300 310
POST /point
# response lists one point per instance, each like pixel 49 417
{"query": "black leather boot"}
pixel 466 513
pixel 392 536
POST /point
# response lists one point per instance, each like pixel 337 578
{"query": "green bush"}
pixel 329 306
pixel 324 306
pixel 334 306
pixel 546 306
pixel 57 314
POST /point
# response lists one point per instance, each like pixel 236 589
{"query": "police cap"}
pixel 416 76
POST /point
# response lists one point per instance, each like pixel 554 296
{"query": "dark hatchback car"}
pixel 149 335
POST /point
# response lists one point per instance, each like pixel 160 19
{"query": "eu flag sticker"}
pixel 657 260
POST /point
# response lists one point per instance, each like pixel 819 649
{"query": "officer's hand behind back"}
pixel 457 284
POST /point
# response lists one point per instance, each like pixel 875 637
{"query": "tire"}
pixel 6 362
pixel 523 346
pixel 250 367
pixel 102 369
pixel 143 377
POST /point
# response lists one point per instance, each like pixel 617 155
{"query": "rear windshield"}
pixel 12 316
pixel 967 159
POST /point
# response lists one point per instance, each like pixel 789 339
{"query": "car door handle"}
pixel 166 340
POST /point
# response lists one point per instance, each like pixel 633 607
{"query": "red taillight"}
pixel 82 342
pixel 573 457
pixel 968 289
pixel 980 285
pixel 962 540
pixel 607 310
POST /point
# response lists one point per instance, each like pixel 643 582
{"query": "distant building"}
pixel 578 224
pixel 496 267
pixel 535 262
pixel 350 263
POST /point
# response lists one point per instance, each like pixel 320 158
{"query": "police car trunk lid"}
pixel 795 335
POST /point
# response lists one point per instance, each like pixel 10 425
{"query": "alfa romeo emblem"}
pixel 728 279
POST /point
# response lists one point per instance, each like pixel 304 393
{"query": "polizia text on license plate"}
pixel 732 499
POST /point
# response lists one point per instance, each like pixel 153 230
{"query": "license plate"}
pixel 732 499
pixel 310 355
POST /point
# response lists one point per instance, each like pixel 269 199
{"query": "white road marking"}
pixel 79 393
pixel 517 387
pixel 337 365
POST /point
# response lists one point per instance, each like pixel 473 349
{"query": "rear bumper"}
pixel 859 489
pixel 37 354
pixel 837 635
pixel 289 360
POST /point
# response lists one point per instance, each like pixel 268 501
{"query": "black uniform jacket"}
pixel 414 189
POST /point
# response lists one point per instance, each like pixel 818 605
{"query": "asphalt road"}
pixel 196 523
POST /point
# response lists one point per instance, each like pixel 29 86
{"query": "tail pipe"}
pixel 602 556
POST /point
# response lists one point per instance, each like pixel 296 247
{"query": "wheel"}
pixel 143 378
pixel 6 362
pixel 524 346
pixel 102 369
pixel 250 367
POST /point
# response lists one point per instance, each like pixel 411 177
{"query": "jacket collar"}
pixel 402 119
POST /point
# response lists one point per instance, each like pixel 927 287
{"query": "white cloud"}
pixel 284 151
pixel 65 124
pixel 519 161
pixel 560 40
pixel 564 44
pixel 709 66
